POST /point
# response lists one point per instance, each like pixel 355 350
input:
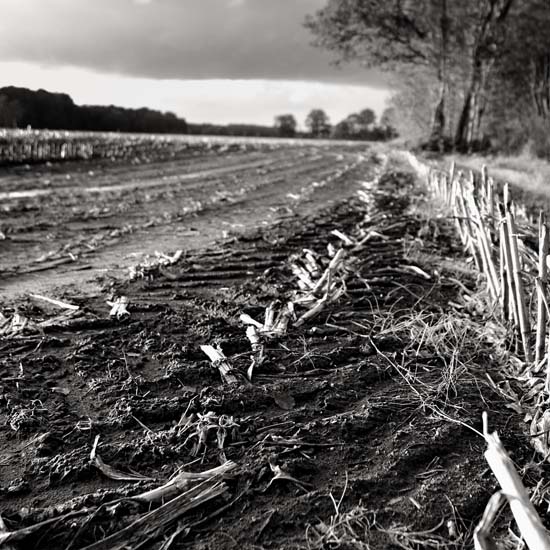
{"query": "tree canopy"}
pixel 318 123
pixel 286 125
pixel 463 51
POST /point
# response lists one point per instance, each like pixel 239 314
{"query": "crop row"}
pixel 31 146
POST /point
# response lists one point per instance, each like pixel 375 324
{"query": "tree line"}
pixel 359 126
pixel 22 108
pixel 468 73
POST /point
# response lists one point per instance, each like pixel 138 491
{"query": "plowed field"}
pixel 347 429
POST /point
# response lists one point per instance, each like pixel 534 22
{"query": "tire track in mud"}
pixel 334 404
pixel 132 217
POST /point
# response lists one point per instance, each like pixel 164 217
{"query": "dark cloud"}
pixel 172 39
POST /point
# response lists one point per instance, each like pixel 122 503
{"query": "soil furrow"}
pixel 359 404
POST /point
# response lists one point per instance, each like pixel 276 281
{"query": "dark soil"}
pixel 364 410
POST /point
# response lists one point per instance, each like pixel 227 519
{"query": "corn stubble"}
pixel 494 231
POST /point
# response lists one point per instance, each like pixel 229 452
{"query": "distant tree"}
pixel 362 126
pixel 318 123
pixel 342 130
pixel 388 117
pixel 367 117
pixel 362 123
pixel 10 110
pixel 286 125
pixel 388 122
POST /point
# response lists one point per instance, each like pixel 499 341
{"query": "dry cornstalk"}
pixel 304 278
pixel 543 276
pixel 154 522
pixel 343 237
pixel 332 267
pixel 55 302
pixel 469 230
pixel 485 250
pixel 253 337
pixel 311 264
pixel 503 296
pixel 329 296
pixel 283 318
pixel 269 317
pixel 435 182
pixel 513 312
pixel 525 329
pixel 247 320
pixel 257 349
pixel 482 532
pixel 483 194
pixel 276 319
pixel 428 174
pixel 441 184
pixel 540 430
pixel 458 214
pixel 209 487
pixel 9 538
pixel 111 472
pixel 182 482
pixel 452 183
pixel 547 381
pixel 4 531
pixel 16 325
pixel 219 360
pixel 119 307
pixel 491 201
pixel 527 519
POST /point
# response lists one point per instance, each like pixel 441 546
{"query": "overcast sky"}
pixel 206 60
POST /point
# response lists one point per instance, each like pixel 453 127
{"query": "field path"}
pixel 77 223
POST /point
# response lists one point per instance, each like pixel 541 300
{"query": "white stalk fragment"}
pixel 269 317
pixel 219 360
pixel 182 481
pixel 253 337
pixel 332 267
pixel 343 237
pixel 247 320
pixel 303 276
pixel 4 531
pixel 331 250
pixel 148 267
pixel 16 325
pixel 276 319
pixel 59 303
pixel 111 472
pixel 527 519
pixel 119 307
pixel 281 324
pixel 311 263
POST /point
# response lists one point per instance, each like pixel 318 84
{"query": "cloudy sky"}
pixel 207 60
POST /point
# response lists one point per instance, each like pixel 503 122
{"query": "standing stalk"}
pixel 485 250
pixel 504 295
pixel 518 285
pixel 469 230
pixel 541 289
pixel 452 184
pixel 509 269
pixel 491 201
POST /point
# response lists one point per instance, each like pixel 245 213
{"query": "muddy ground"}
pixel 353 431
pixel 88 219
